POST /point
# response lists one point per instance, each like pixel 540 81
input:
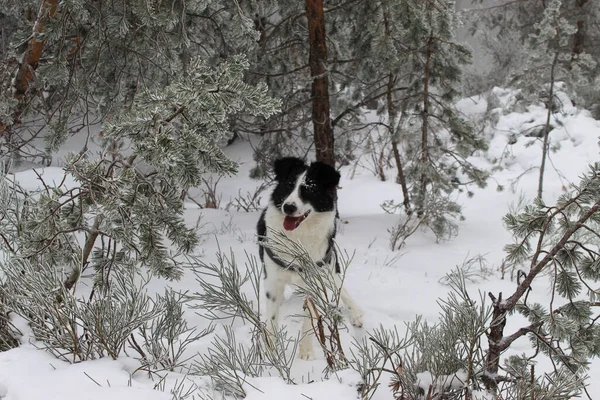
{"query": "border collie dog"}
pixel 303 207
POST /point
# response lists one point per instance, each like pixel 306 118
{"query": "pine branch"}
pixel 87 250
pixel 507 341
pixel 503 5
pixel 171 117
pixel 511 301
pixel 366 100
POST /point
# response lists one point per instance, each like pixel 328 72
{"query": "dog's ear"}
pixel 284 167
pixel 324 173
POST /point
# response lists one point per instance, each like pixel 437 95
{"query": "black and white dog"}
pixel 303 207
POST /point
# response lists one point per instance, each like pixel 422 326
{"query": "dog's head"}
pixel 303 189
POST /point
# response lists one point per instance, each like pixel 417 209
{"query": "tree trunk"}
pixel 401 178
pixel 494 336
pixel 31 59
pixel 423 180
pixel 34 49
pixel 547 127
pixel 323 130
pixel 579 37
pixel 392 115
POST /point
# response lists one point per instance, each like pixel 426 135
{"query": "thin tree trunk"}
pixel 547 128
pixel 87 250
pixel 34 49
pixel 323 130
pixel 392 115
pixel 495 336
pixel 425 130
pixel 31 59
pixel 579 37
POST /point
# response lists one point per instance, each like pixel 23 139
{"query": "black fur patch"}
pixel 334 250
pixel 287 170
pixel 261 231
pixel 319 187
pixel 287 167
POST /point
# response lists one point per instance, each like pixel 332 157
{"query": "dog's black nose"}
pixel 289 208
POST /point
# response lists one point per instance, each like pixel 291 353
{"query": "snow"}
pixel 391 287
pixel 276 389
pixel 30 374
pixel 426 380
pixel 22 327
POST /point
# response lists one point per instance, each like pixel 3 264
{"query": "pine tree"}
pixel 379 41
pixel 282 58
pixel 132 69
pixel 98 56
pixel 506 29
pixel 437 141
pixel 552 60
pixel 464 354
pixel 560 241
pixel 174 110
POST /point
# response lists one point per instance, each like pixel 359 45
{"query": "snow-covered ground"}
pixel 392 287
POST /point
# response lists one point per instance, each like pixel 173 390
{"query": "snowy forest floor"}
pixel 392 287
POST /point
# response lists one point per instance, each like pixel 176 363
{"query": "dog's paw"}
pixel 306 352
pixel 356 318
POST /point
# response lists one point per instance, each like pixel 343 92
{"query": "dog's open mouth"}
pixel 291 223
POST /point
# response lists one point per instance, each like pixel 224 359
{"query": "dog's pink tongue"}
pixel 289 223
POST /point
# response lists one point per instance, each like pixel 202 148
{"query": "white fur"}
pixel 313 233
pixel 294 198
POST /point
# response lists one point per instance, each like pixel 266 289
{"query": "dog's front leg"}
pixel 354 311
pixel 306 349
pixel 273 290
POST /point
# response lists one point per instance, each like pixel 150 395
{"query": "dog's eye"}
pixel 305 189
pixel 309 185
